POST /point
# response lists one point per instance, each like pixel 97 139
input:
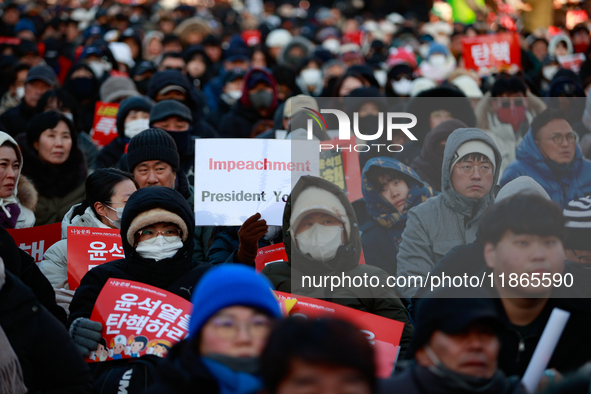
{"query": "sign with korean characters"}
pixel 89 247
pixel 138 319
pixel 339 164
pixel 383 333
pixel 491 52
pixel 104 125
pixel 36 240
pixel 239 177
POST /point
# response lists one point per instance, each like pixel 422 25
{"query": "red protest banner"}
pixel 381 332
pixel 340 166
pixel 36 240
pixel 138 319
pixel 270 254
pixel 491 51
pixel 104 128
pixel 89 247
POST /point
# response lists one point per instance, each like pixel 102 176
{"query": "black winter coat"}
pixel 225 245
pixel 16 119
pixel 109 156
pixel 49 359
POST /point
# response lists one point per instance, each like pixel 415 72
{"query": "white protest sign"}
pixel 236 178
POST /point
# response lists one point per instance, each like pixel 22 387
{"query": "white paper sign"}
pixel 236 178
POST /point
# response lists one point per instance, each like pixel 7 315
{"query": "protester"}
pixel 16 87
pixel 55 165
pixel 234 311
pixel 577 245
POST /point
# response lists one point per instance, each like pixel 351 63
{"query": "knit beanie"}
pixel 116 88
pixel 167 108
pixel 137 103
pixel 230 285
pixel 474 146
pixel 152 144
pixel 578 224
pixel 47 120
pixel 315 199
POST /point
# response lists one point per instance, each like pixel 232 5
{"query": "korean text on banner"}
pixel 104 125
pixel 36 240
pixel 89 247
pixel 270 254
pixel 340 165
pixel 381 332
pixel 238 178
pixel 490 52
pixel 138 319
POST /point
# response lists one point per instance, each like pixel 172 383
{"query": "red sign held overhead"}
pixel 36 240
pixel 104 126
pixel 138 319
pixel 491 52
pixel 89 247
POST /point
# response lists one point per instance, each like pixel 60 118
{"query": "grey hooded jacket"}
pixel 444 221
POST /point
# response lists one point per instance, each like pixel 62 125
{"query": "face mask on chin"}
pixel 134 127
pixel 159 248
pixel 320 242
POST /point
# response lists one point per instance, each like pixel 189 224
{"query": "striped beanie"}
pixel 578 224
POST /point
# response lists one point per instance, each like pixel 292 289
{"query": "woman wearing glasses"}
pixel 549 154
pixel 234 312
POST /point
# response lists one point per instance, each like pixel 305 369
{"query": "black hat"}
pixel 43 73
pixel 452 315
pixel 234 74
pixel 138 103
pixel 144 67
pixel 152 144
pixel 578 224
pixel 167 108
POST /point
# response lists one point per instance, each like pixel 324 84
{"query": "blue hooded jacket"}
pixel 562 185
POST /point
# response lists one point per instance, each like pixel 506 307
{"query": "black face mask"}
pixel 83 88
pixel 181 138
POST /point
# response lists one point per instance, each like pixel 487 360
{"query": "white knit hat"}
pixel 315 199
pixel 468 86
pixel 474 146
pixel 278 38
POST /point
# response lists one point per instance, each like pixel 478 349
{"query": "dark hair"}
pixel 64 100
pixel 375 172
pixel 141 339
pixel 317 342
pixel 14 70
pixel 100 187
pixel 48 120
pixel 168 38
pixel 522 214
pixel 103 342
pixel 508 85
pixel 544 118
pixel 346 75
pixel 176 55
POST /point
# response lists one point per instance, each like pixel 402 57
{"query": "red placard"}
pixel 89 247
pixel 574 17
pixel 572 62
pixel 104 127
pixel 381 332
pixel 340 165
pixel 36 240
pixel 138 319
pixel 270 254
pixel 491 51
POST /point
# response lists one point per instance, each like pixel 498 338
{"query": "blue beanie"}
pixel 230 285
pixel 437 48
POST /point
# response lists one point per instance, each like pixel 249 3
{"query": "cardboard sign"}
pixel 381 332
pixel 491 52
pixel 36 240
pixel 270 254
pixel 239 177
pixel 89 247
pixel 138 319
pixel 104 127
pixel 572 62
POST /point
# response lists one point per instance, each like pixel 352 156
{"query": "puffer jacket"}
pixel 562 185
pixel 381 301
pixel 442 222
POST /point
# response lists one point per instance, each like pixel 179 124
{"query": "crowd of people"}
pixel 496 184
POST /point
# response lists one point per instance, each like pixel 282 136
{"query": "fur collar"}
pixel 26 193
pixel 49 180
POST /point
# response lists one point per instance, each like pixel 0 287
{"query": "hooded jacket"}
pixel 286 276
pixel 563 186
pixel 444 221
pixel 381 233
pixel 238 123
pixel 24 194
pixel 302 42
pixel 177 274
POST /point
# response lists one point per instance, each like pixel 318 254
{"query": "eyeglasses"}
pixel 516 102
pixel 468 169
pixel 228 328
pixel 583 259
pixel 149 233
pixel 558 138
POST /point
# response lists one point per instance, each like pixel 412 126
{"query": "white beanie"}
pixel 468 86
pixel 315 199
pixel 419 85
pixel 278 38
pixel 474 146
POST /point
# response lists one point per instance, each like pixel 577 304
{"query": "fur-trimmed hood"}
pixel 26 193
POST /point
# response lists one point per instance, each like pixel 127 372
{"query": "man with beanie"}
pixel 116 89
pixel 234 310
pixel 39 80
pixel 577 244
pixel 175 118
pixel 471 163
pixel 132 118
pixel 454 349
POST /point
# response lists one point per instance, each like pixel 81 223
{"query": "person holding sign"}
pixel 234 310
pixel 321 237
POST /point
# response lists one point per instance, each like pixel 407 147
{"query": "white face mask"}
pixel 20 92
pixel 381 76
pixel 424 50
pixel 235 94
pixel 321 242
pixel 549 72
pixel 437 60
pixel 99 68
pixel 119 213
pixel 402 87
pixel 134 127
pixel 311 77
pixel 160 247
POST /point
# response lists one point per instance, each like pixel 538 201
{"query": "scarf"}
pixel 11 374
pixel 232 380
